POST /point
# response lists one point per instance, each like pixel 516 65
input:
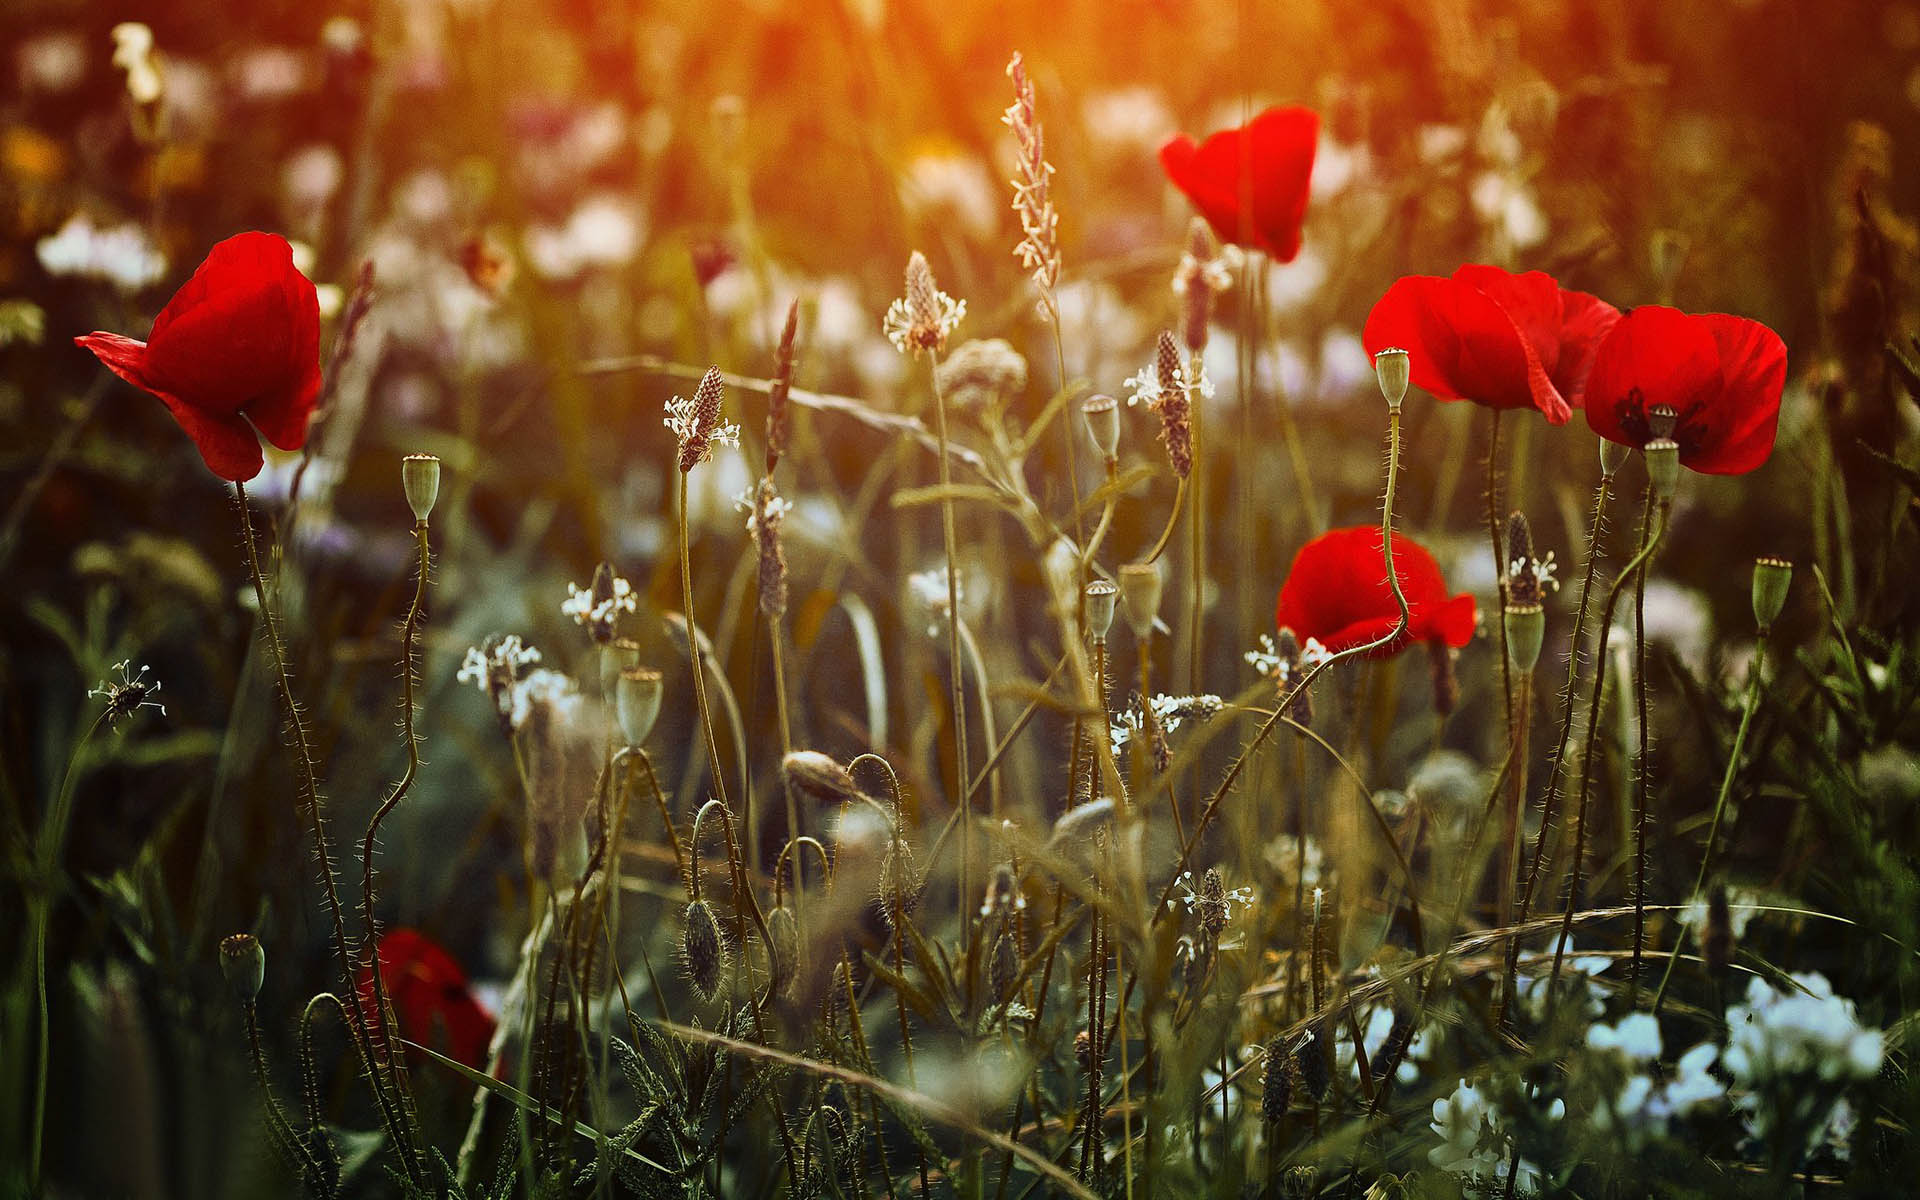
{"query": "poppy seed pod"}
pixel 1771 578
pixel 1102 416
pixel 1101 597
pixel 1140 593
pixel 1612 455
pixel 703 949
pixel 620 654
pixel 420 478
pixel 1526 631
pixel 1663 466
pixel 244 964
pixel 637 701
pixel 818 778
pixel 1393 369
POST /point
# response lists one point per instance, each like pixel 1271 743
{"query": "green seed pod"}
pixel 1771 578
pixel 1612 455
pixel 703 950
pixel 1101 598
pixel 1526 630
pixel 1394 369
pixel 1140 593
pixel 1663 466
pixel 244 964
pixel 1102 416
pixel 420 478
pixel 616 656
pixel 637 701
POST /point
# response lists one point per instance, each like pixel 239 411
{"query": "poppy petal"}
pixel 227 444
pixel 246 326
pixel 1250 183
pixel 1214 197
pixel 1753 371
pixel 1584 321
pixel 282 416
pixel 1653 355
pixel 124 356
pixel 1461 345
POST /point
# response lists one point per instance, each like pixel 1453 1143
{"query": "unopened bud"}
pixel 1101 597
pixel 1102 416
pixel 1663 466
pixel 783 946
pixel 244 964
pixel 703 950
pixel 818 778
pixel 636 699
pixel 1393 368
pixel 420 479
pixel 1771 578
pixel 1140 593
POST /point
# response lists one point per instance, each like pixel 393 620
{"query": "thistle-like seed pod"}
pixel 703 950
pixel 696 439
pixel 1771 578
pixel 1393 368
pixel 1003 966
pixel 1176 414
pixel 1276 1084
pixel 768 512
pixel 1101 597
pixel 244 964
pixel 1211 904
pixel 818 778
pixel 1310 1057
pixel 783 946
pixel 778 419
pixel 420 479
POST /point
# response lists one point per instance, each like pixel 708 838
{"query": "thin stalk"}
pixel 775 640
pixel 309 795
pixel 310 1171
pixel 1515 828
pixel 1720 803
pixel 695 655
pixel 955 671
pixel 1196 528
pixel 1499 563
pixel 666 819
pixel 1642 784
pixel 1173 520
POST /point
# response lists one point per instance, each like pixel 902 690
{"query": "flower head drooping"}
pixel 599 606
pixel 766 509
pixel 697 422
pixel 925 317
pixel 238 343
pixel 129 695
pixel 1039 248
pixel 1336 592
pixel 778 418
pixel 1206 269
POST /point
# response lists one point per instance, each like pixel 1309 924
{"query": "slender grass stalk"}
pixel 1173 521
pixel 1727 777
pixel 1196 527
pixel 310 805
pixel 1515 832
pixel 696 656
pixel 1642 784
pixel 1499 566
pixel 955 671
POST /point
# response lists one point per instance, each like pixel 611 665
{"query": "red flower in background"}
pixel 1717 377
pixel 431 1001
pixel 1336 593
pixel 1493 337
pixel 240 342
pixel 1250 183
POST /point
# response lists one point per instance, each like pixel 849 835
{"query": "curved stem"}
pixel 1720 803
pixel 1173 520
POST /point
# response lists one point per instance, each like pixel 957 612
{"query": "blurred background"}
pixel 571 209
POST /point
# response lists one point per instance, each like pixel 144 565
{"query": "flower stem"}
pixel 955 670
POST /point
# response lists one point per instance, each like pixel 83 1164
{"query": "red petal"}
pixel 1753 371
pixel 1336 592
pixel 227 444
pixel 123 356
pixel 1250 183
pixel 1461 345
pixel 1584 320
pixel 245 328
pixel 1212 194
pixel 1653 355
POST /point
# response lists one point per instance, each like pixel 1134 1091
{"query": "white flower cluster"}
pixel 1242 896
pixel 1215 273
pixel 122 255
pixel 1475 1145
pixel 683 418
pixel 1805 1031
pixel 1265 657
pixel 580 606
pixel 1169 712
pixel 1576 980
pixel 777 509
pixel 1542 570
pixel 497 672
pixel 1144 387
pixel 909 330
pixel 1645 1105
pixel 927 591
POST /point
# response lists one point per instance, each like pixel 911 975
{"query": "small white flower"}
pixel 683 418
pixel 542 687
pixel 1144 387
pixel 130 694
pixel 1542 570
pixel 1169 712
pixel 928 591
pixel 122 255
pixel 1193 899
pixel 495 669
pixel 133 53
pixel 1636 1036
pixel 580 606
pixel 777 509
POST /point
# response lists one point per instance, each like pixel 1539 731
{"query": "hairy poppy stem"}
pixel 1642 783
pixel 1499 564
pixel 309 795
pixel 955 669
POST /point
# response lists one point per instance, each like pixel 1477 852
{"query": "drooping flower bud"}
pixel 1771 578
pixel 1101 597
pixel 818 778
pixel 1140 594
pixel 1393 369
pixel 703 950
pixel 420 479
pixel 1101 413
pixel 783 946
pixel 636 699
pixel 244 964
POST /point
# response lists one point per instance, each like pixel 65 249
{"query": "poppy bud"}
pixel 899 884
pixel 637 701
pixel 703 949
pixel 1102 416
pixel 1771 578
pixel 1663 466
pixel 783 946
pixel 1526 630
pixel 1612 454
pixel 1276 1084
pixel 818 778
pixel 1393 369
pixel 618 655
pixel 420 479
pixel 244 964
pixel 1140 592
pixel 1101 597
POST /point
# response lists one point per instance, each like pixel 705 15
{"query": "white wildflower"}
pixel 122 255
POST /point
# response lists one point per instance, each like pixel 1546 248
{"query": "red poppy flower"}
pixel 431 1001
pixel 1493 337
pixel 1720 376
pixel 240 342
pixel 1336 593
pixel 1250 183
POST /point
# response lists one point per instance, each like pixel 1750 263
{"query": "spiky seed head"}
pixel 1771 578
pixel 1310 1058
pixel 1211 905
pixel 1101 596
pixel 778 419
pixel 703 950
pixel 768 512
pixel 1140 595
pixel 244 964
pixel 1101 413
pixel 1004 966
pixel 637 698
pixel 420 480
pixel 818 778
pixel 698 421
pixel 1176 414
pixel 1393 368
pixel 1276 1084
